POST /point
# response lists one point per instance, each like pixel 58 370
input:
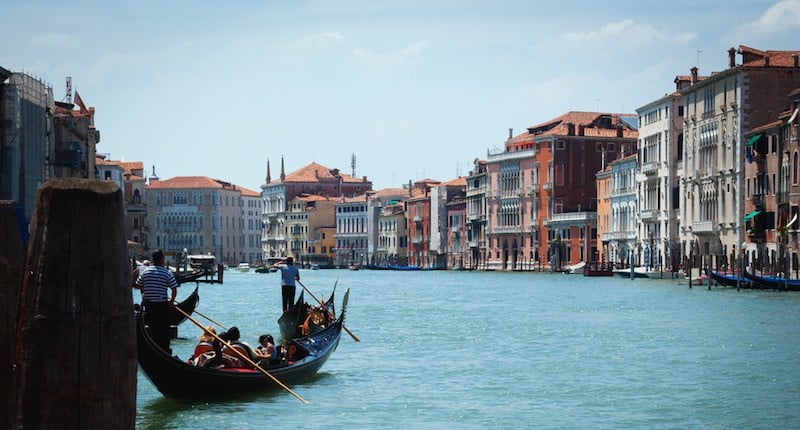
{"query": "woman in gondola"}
pixel 205 342
pixel 266 349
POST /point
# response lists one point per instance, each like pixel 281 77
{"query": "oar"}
pixel 245 358
pixel 211 319
pixel 323 305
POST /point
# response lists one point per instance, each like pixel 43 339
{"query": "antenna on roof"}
pixel 69 90
pixel 353 164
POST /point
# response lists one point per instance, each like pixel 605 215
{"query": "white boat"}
pixel 208 263
pixel 243 267
pixel 575 268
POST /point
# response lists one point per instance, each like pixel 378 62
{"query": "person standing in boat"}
pixel 289 274
pixel 154 281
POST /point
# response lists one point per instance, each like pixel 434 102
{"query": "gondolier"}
pixel 289 274
pixel 154 282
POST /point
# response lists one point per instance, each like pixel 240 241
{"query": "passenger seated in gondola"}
pixel 217 358
pixel 205 342
pixel 236 343
pixel 266 350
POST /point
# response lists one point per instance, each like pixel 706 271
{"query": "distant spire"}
pixel 283 172
pixel 269 177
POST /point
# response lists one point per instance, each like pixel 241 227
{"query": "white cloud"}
pixel 778 17
pixel 404 55
pixel 628 31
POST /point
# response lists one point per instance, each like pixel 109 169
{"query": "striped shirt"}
pixel 154 281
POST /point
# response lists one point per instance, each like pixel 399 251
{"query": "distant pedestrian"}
pixel 154 282
pixel 289 274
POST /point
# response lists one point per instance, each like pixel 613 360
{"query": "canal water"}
pixel 512 350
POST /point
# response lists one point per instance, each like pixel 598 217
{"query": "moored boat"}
pixel 772 282
pixel 177 378
pixel 598 269
pixel 728 280
pixel 243 267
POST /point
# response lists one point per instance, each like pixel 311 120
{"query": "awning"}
pixel 753 139
pixel 794 116
pixel 751 215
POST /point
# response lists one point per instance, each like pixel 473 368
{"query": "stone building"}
pixel 718 113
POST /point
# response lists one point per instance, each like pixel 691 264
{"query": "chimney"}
pixel 732 58
pixel 581 129
pixel 570 129
pixel 511 130
pixel 694 75
pixel 766 61
pixel 796 58
pixel 619 131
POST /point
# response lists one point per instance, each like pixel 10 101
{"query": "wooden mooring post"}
pixel 13 234
pixel 75 346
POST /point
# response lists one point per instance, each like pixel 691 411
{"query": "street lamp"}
pixel 185 259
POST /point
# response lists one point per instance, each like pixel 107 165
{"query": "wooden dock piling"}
pixel 75 351
pixel 12 262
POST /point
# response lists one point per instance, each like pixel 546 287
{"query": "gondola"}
pixel 188 305
pixel 188 276
pixel 772 282
pixel 728 280
pixel 176 378
pixel 291 320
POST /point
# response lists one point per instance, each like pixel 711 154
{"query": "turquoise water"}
pixel 513 350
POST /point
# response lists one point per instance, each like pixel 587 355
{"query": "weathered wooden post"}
pixel 12 261
pixel 76 343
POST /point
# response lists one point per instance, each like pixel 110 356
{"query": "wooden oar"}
pixel 210 319
pixel 246 358
pixel 323 305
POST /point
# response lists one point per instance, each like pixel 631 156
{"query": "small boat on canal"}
pixel 728 280
pixel 178 378
pixel 772 282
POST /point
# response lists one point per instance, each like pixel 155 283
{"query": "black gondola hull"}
pixel 177 378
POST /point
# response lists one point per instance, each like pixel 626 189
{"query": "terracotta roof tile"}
pixel 752 57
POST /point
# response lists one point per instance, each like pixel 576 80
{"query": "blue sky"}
pixel 415 89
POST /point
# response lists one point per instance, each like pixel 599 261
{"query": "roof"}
pixel 315 172
pixel 595 124
pixel 752 57
pixel 246 192
pixel 457 182
pixel 202 182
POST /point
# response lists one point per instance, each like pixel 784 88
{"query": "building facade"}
pixel 718 112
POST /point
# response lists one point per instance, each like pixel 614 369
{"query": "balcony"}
pixel 649 215
pixel 547 186
pixel 418 240
pixel 417 218
pixel 650 168
pixel 704 227
pixel 508 229
pixel 619 235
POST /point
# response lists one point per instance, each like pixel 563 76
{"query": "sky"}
pixel 412 89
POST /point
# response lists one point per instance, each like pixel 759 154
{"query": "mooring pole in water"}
pixel 75 351
pixel 13 231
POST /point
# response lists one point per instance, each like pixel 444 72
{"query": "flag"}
pixel 79 102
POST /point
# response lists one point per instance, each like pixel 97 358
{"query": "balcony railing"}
pixel 649 214
pixel 547 186
pixel 650 167
pixel 508 229
pixel 619 235
pixel 704 227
